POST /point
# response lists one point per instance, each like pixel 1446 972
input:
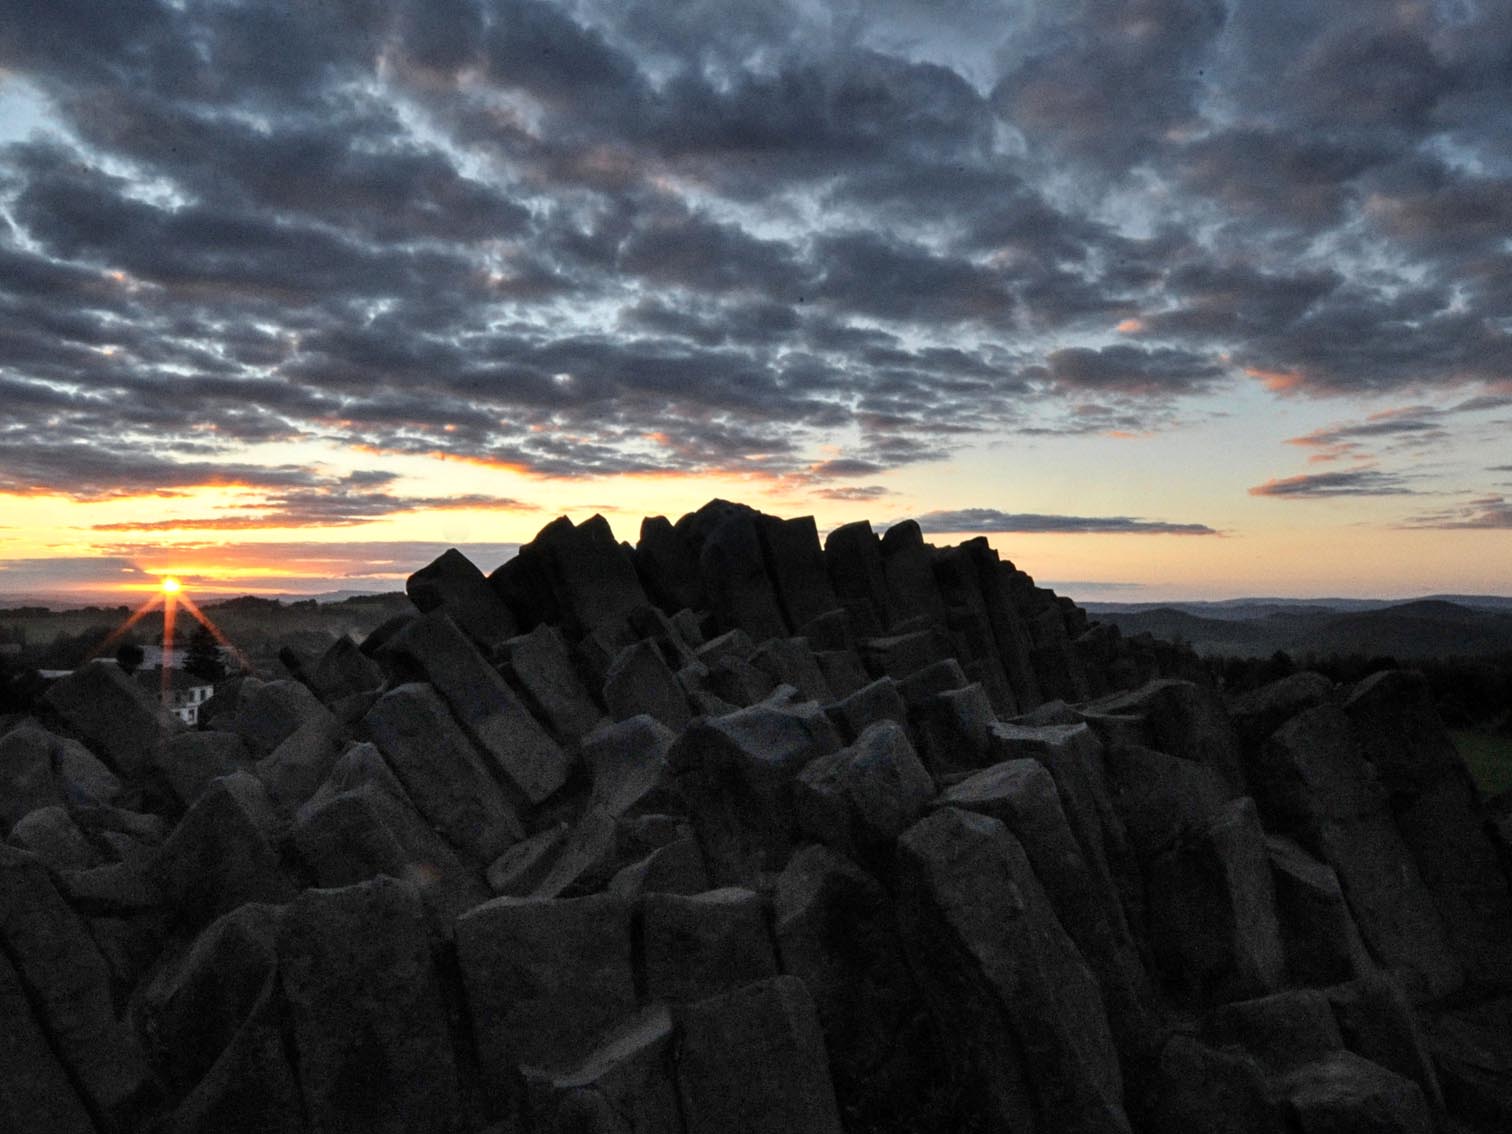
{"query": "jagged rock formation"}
pixel 730 832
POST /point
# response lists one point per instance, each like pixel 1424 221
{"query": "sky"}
pixel 1167 298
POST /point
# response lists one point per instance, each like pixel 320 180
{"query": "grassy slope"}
pixel 1488 757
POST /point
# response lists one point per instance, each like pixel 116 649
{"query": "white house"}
pixel 182 696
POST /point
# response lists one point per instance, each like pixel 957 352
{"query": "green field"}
pixel 1488 757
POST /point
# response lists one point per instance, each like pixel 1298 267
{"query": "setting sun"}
pixel 170 586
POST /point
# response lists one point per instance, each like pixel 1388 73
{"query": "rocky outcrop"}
pixel 735 830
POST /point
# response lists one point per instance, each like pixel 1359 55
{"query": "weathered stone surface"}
pixel 954 729
pixel 1185 720
pixel 1344 1094
pixel 736 772
pixel 1021 1014
pixel 1262 711
pixel 193 1007
pixel 837 932
pixel 1160 797
pixel 1321 939
pixel 369 1033
pixel 453 584
pixel 908 567
pixel 790 661
pixel 590 573
pixel 700 944
pixel 732 572
pixel 1377 1023
pixel 901 654
pixel 518 749
pixel 1439 816
pixel 1212 911
pixel 35 1093
pixel 364 832
pixel 860 799
pixel 795 564
pixel 853 558
pixel 668 565
pixel 753 1061
pixel 26 774
pixel 1196 1087
pixel 442 773
pixel 878 701
pixel 342 671
pixel 677 868
pixel 187 763
pixel 269 712
pixel 251 1089
pixel 1472 1053
pixel 1022 795
pixel 222 853
pixel 1315 785
pixel 542 666
pixel 519 870
pixel 1282 1031
pixel 588 859
pixel 116 716
pixel 843 671
pixel 546 980
pixel 68 984
pixel 52 835
pixel 639 681
pixel 299 765
pixel 625 1086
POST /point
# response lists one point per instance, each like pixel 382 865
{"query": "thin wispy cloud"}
pixel 993 521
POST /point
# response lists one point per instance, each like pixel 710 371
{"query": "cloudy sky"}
pixel 1166 297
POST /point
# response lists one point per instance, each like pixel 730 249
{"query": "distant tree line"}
pixel 1469 692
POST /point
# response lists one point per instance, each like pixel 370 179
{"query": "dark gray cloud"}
pixel 991 520
pixel 1489 513
pixel 599 237
pixel 1349 482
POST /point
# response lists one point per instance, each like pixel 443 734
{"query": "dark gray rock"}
pixel 837 932
pixel 1197 1087
pixel 1437 810
pixel 35 1093
pixel 908 567
pixel 860 799
pixel 668 565
pixel 1160 797
pixel 294 770
pixel 547 979
pixel 369 1033
pixel 451 583
pixel 843 671
pixel 878 701
pixel 1343 1094
pixel 115 716
pixel 732 572
pixel 697 945
pixel 269 712
pixel 1322 942
pixel 223 853
pixel 753 1061
pixel 1212 911
pixel 790 661
pixel 1315 784
pixel 52 835
pixel 518 750
pixel 343 670
pixel 1283 1031
pixel 1472 1053
pixel 901 654
pixel 677 868
pixel 365 832
pixel 1376 1022
pixel 853 558
pixel 1021 1015
pixel 68 985
pixel 1262 711
pixel 955 730
pixel 625 1086
pixel 1186 720
pixel 736 773
pixel 590 573
pixel 187 763
pixel 1022 795
pixel 541 665
pixel 639 681
pixel 442 773
pixel 795 564
pixel 627 764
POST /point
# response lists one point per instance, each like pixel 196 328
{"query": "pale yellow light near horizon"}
pixel 170 586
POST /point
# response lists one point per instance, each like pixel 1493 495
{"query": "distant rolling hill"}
pixel 1430 627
